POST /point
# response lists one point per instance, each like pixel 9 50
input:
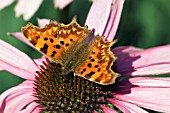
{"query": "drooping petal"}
pixel 107 109
pixel 16 62
pixel 5 3
pixel 27 8
pixel 155 97
pixel 61 4
pixel 127 107
pixel 16 98
pixel 31 108
pixel 20 102
pixel 40 61
pixel 104 16
pixel 21 37
pixel 151 61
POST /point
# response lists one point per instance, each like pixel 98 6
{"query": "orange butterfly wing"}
pixel 97 67
pixel 54 39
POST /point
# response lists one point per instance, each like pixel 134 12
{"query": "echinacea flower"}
pixel 27 8
pixel 47 90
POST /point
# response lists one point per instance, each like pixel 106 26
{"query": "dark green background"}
pixel 144 24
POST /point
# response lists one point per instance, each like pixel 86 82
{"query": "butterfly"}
pixel 75 48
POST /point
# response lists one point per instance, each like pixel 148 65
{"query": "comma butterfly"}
pixel 75 48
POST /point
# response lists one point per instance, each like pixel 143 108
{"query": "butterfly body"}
pixel 76 49
pixel 69 58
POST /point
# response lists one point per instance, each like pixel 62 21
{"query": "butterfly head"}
pixel 65 71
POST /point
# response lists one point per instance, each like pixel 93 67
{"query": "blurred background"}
pixel 144 24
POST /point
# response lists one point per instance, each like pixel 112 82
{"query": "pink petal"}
pixel 21 37
pixel 98 15
pixel 27 8
pixel 32 108
pixel 127 107
pixel 124 50
pixel 113 22
pixel 104 16
pixel 20 103
pixel 43 22
pixel 61 4
pixel 151 82
pixel 107 109
pixel 95 111
pixel 147 62
pixel 36 110
pixel 11 99
pixel 16 62
pixel 152 70
pixel 5 3
pixel 151 98
pixel 40 61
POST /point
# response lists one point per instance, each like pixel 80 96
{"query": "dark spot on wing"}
pixel 51 40
pixel 96 66
pixel 71 39
pixel 89 75
pixel 101 61
pixel 53 54
pixel 44 49
pixel 33 42
pixel 92 60
pixel 83 71
pixel 62 42
pixel 37 37
pixel 99 78
pixel 98 70
pixel 89 65
pixel 67 44
pixel 57 46
pixel 45 38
